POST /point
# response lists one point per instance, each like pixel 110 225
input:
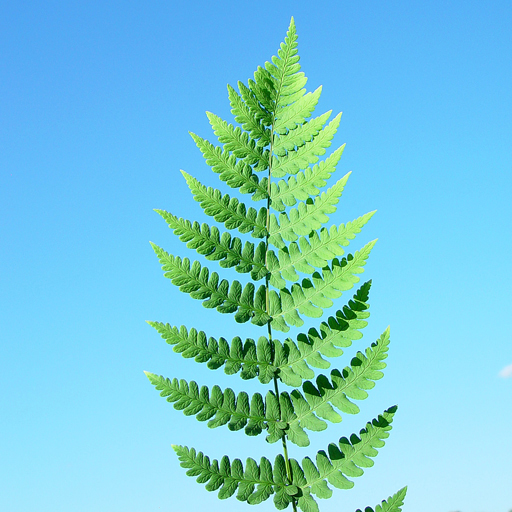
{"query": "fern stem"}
pixel 285 448
pixel 267 304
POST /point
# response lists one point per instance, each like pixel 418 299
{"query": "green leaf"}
pixel 307 217
pixel 308 504
pixel 392 504
pixel 304 184
pixel 296 113
pixel 255 484
pixel 313 252
pixel 214 245
pixel 345 458
pixel 316 293
pixel 256 108
pixel 222 407
pixel 299 136
pixel 297 159
pixel 245 116
pixel 239 143
pixel 297 435
pixel 200 284
pixel 264 89
pixel 235 356
pixel 236 173
pixel 282 499
pixel 343 387
pixel 230 211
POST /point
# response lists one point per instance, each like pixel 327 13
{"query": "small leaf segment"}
pixel 298 267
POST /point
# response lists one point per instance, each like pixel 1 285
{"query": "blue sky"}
pixel 97 102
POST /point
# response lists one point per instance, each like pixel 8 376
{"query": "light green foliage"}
pixel 392 504
pixel 298 267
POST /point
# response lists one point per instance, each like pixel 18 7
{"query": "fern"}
pixel 297 267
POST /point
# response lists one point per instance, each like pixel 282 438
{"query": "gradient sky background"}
pixel 97 102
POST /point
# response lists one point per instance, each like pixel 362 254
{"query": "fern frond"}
pixel 300 135
pixel 392 504
pixel 285 69
pixel 220 407
pixel 227 250
pixel 250 123
pixel 339 331
pixel 304 271
pixel 295 160
pixel 304 184
pixel 264 89
pixel 256 109
pixel 237 174
pixel 314 252
pixel 255 483
pixel 247 303
pixel 307 217
pixel 296 113
pixel 316 293
pixel 351 383
pixel 348 457
pixel 239 143
pixel 249 358
pixel 230 211
pixel 289 360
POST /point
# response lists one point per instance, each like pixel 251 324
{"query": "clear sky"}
pixel 97 99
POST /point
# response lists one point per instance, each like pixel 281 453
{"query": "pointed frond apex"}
pixel 287 80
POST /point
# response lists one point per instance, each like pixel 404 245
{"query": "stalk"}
pixel 267 305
